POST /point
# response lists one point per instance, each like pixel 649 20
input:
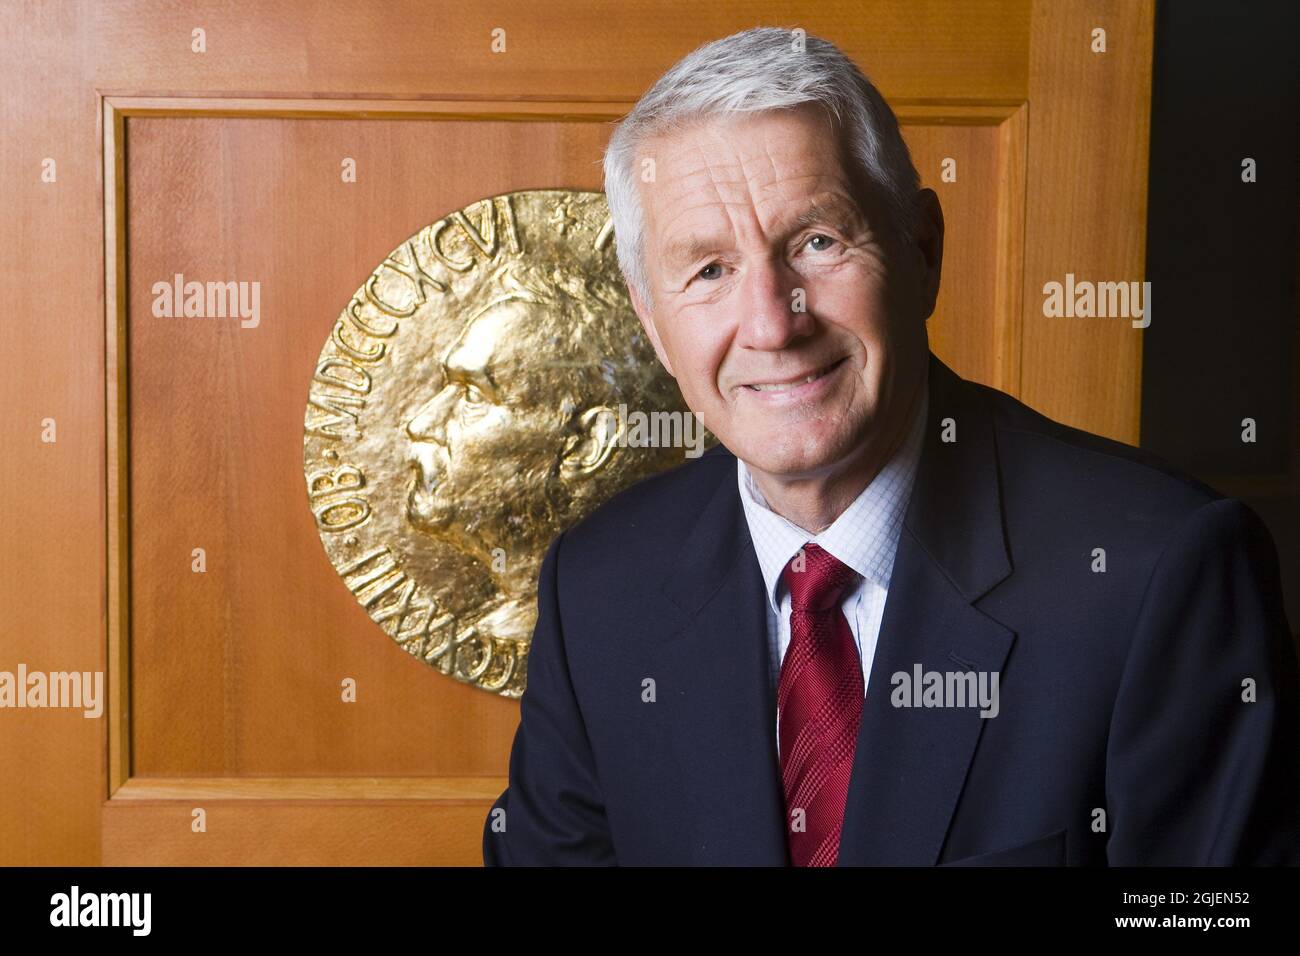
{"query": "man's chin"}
pixel 787 467
pixel 782 455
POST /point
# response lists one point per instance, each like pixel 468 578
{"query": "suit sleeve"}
pixel 553 810
pixel 1197 772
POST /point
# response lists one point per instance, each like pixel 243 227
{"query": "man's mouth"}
pixel 795 381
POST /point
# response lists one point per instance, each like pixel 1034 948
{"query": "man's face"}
pixel 743 217
pixel 485 445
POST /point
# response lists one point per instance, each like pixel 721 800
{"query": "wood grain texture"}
pixel 52 544
pixel 1089 127
pixel 426 789
pixel 976 322
pixel 970 50
pixel 293 833
pixel 238 670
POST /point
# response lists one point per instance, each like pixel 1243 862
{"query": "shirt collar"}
pixel 865 536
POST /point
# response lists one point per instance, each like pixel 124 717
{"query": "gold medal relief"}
pixel 484 389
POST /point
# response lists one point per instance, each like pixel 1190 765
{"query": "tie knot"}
pixel 818 580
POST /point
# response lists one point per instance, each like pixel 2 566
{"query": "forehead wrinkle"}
pixel 815 200
pixel 757 187
pixel 828 202
pixel 785 167
pixel 755 182
pixel 837 207
pixel 706 165
pixel 680 189
pixel 725 189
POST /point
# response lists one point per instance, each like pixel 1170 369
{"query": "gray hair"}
pixel 765 68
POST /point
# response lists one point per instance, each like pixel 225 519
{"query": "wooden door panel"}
pixel 216 417
pixel 977 319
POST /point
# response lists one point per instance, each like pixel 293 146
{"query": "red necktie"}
pixel 819 706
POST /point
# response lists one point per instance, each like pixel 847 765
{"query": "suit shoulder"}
pixel 662 507
pixel 1087 467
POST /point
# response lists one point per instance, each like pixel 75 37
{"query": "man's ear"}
pixel 929 241
pixel 599 432
pixel 648 323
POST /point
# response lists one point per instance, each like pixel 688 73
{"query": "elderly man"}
pixel 894 617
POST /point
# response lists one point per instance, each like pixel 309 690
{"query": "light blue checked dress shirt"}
pixel 865 537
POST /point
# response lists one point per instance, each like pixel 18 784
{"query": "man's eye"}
pixel 711 265
pixel 828 239
pixel 473 396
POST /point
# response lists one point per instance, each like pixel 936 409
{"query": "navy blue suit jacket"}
pixel 1122 737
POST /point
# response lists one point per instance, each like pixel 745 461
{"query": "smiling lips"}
pixel 795 382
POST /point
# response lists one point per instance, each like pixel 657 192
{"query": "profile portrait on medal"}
pixel 472 401
pixel 523 436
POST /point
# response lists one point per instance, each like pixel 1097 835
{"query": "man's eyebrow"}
pixel 837 211
pixel 682 251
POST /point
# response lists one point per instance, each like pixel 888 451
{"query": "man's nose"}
pixel 769 320
pixel 429 424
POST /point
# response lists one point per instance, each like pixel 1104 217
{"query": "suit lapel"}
pixel 911 763
pixel 714 702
